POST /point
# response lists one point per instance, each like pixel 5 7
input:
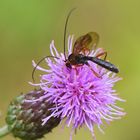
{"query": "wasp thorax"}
pixel 71 59
pixel 76 59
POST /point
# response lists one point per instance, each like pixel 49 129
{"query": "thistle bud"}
pixel 24 119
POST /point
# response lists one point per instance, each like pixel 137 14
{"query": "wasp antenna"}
pixel 33 72
pixel 65 30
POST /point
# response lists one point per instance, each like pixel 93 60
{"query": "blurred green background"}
pixel 28 26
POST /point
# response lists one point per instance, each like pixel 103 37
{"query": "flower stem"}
pixel 4 131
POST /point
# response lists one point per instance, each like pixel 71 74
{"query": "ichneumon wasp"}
pixel 82 47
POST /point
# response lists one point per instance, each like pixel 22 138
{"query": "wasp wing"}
pixel 86 43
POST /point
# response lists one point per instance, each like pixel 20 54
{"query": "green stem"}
pixel 4 131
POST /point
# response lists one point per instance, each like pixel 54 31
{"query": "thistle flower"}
pixel 24 119
pixel 81 98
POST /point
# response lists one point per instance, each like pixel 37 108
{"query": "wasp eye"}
pixel 68 65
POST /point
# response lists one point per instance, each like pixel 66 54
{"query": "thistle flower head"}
pixel 81 98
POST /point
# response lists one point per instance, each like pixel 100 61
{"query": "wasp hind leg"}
pixel 101 54
pixel 94 72
pixel 105 56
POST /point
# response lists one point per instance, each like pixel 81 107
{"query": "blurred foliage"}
pixel 28 26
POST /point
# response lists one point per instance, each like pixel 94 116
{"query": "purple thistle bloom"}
pixel 81 97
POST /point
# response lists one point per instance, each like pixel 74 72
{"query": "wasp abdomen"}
pixel 104 64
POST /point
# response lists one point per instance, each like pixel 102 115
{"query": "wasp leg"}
pixel 101 54
pixel 94 72
pixel 76 66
